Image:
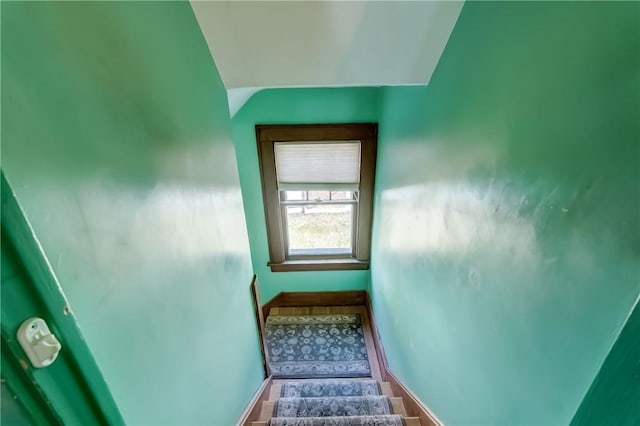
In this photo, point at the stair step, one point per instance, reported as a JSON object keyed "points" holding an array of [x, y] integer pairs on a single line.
{"points": [[334, 387], [311, 406], [383, 420], [267, 410], [275, 391], [412, 421], [408, 421], [397, 405], [385, 387]]}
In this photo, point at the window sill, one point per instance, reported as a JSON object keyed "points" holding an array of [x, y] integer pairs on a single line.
{"points": [[319, 265]]}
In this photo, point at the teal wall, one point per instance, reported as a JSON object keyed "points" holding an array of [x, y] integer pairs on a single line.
{"points": [[71, 391], [614, 396], [293, 106], [506, 252], [116, 138]]}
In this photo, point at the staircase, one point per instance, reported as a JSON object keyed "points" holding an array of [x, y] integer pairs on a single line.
{"points": [[335, 402]]}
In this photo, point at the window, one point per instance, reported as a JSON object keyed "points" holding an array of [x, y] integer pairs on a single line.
{"points": [[317, 184]]}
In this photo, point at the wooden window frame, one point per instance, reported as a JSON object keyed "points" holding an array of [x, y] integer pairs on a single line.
{"points": [[267, 136]]}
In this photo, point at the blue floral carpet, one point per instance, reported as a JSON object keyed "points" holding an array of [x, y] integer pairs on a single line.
{"points": [[310, 346], [309, 388], [333, 406], [390, 420]]}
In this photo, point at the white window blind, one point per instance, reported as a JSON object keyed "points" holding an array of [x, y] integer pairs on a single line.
{"points": [[318, 165]]}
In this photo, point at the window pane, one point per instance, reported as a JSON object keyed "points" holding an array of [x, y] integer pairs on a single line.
{"points": [[295, 195], [316, 229], [319, 195], [342, 195]]}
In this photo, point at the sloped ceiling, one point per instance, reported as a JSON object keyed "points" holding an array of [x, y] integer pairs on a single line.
{"points": [[325, 43]]}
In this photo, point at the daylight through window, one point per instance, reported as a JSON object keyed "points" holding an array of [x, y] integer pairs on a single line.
{"points": [[318, 189]]}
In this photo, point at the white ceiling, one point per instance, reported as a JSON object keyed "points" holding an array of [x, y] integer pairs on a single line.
{"points": [[259, 44]]}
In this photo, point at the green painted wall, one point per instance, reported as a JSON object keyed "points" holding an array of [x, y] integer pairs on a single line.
{"points": [[293, 106], [71, 391], [614, 396], [506, 253], [117, 140]]}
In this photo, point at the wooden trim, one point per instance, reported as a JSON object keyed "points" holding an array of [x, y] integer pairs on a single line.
{"points": [[319, 265], [270, 304], [257, 307], [365, 206], [376, 368], [413, 405], [316, 298], [252, 412], [270, 198], [316, 132], [266, 137], [382, 359]]}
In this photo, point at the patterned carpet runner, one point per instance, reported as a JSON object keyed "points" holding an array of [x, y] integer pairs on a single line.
{"points": [[333, 406], [316, 346], [310, 388], [391, 420], [333, 403]]}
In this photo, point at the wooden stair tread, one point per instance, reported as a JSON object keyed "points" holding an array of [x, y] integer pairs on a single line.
{"points": [[267, 410], [385, 388], [274, 392], [398, 406], [412, 421]]}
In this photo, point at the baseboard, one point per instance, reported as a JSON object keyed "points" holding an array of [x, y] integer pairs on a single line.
{"points": [[413, 405], [316, 298], [382, 360], [252, 412], [257, 307]]}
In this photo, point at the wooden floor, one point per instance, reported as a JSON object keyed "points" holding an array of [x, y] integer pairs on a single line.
{"points": [[329, 310]]}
